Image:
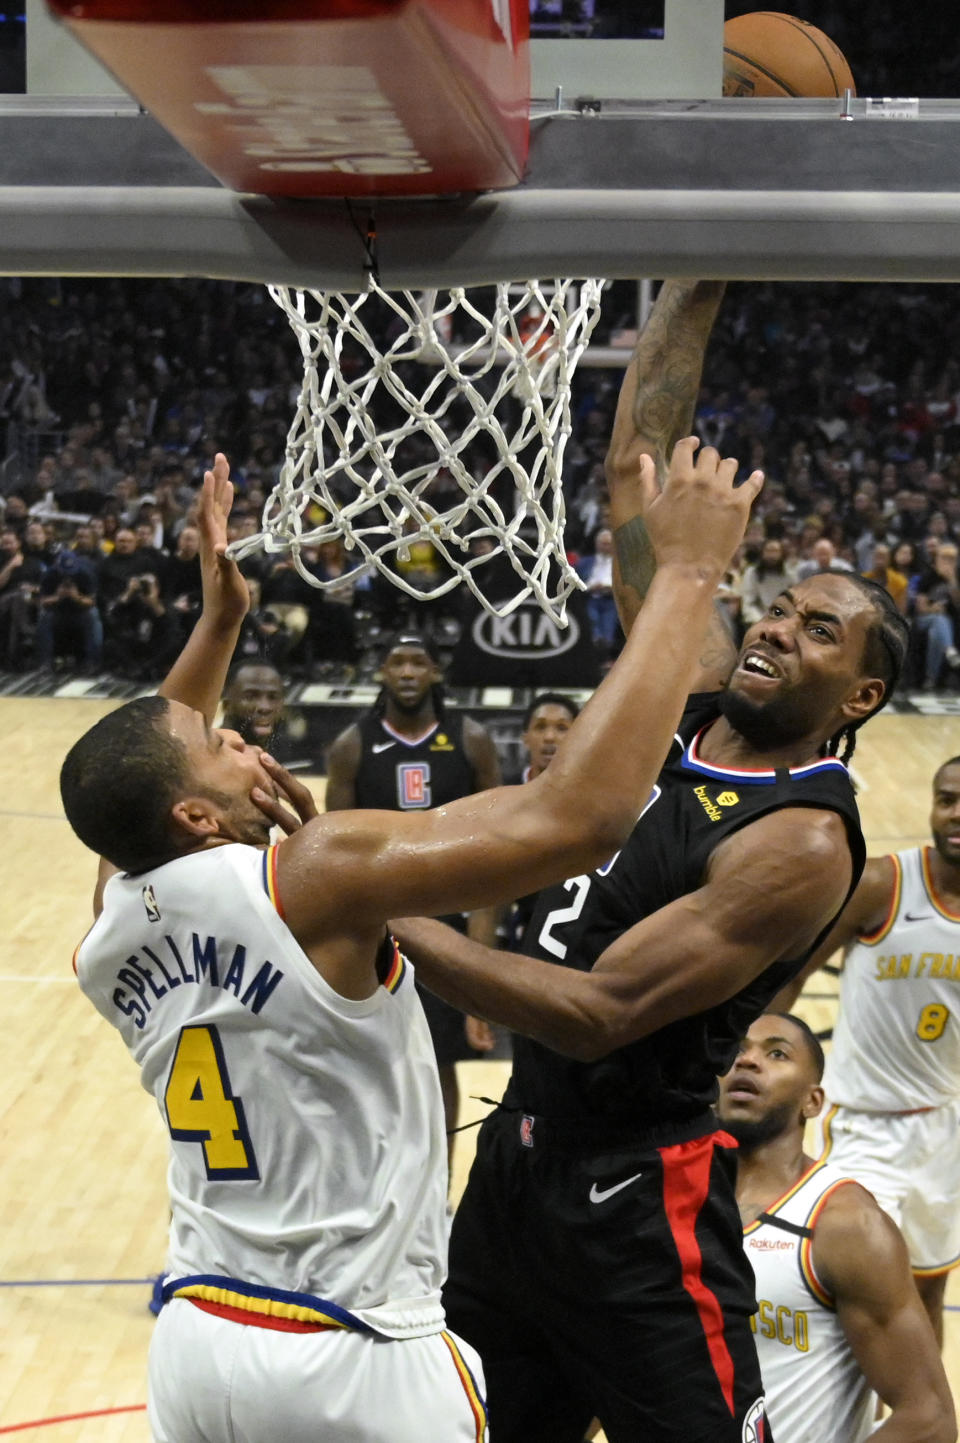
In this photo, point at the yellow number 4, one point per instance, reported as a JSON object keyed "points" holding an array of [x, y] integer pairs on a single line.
{"points": [[201, 1107], [932, 1020]]}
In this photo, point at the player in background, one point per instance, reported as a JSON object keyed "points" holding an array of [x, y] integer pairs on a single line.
{"points": [[276, 1026], [546, 722], [893, 1074], [838, 1313], [253, 702], [599, 1224], [408, 753]]}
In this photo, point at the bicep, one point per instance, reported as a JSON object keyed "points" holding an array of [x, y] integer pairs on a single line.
{"points": [[864, 1262], [770, 890]]}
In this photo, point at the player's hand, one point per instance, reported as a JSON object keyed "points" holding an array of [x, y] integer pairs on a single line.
{"points": [[699, 517], [224, 588], [479, 1034], [294, 792]]}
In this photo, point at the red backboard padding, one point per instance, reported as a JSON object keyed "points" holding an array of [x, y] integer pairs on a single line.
{"points": [[346, 97]]}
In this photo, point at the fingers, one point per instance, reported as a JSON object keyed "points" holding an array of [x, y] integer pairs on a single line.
{"points": [[299, 796], [275, 811]]}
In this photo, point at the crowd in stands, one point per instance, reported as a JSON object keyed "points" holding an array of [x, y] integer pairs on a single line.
{"points": [[115, 394]]}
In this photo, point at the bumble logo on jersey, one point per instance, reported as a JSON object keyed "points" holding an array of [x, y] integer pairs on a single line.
{"points": [[727, 799], [710, 807], [442, 743]]}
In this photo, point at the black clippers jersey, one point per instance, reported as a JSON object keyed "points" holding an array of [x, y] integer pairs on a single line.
{"points": [[670, 1075], [396, 775]]}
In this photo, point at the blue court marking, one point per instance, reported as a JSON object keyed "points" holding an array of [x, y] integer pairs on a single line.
{"points": [[75, 1282]]}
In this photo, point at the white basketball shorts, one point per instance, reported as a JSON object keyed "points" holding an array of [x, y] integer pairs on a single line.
{"points": [[216, 1381], [911, 1164]]}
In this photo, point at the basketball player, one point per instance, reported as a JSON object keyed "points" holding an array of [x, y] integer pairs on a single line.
{"points": [[546, 722], [280, 1033], [838, 1313], [893, 1074], [253, 702], [409, 753], [599, 1226]]}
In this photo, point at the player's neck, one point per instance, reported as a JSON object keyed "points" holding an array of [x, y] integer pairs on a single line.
{"points": [[766, 1173], [724, 746], [410, 724], [946, 879]]}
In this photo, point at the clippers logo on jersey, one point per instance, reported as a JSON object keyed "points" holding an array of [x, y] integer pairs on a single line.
{"points": [[442, 743], [526, 1130], [413, 785], [150, 904], [755, 1424]]}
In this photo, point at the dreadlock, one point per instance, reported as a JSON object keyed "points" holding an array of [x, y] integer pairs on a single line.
{"points": [[884, 653]]}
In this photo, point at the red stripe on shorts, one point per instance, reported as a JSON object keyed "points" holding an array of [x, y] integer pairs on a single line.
{"points": [[260, 1320], [686, 1183]]}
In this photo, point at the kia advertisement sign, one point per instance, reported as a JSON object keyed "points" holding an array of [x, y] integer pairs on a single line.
{"points": [[526, 648]]}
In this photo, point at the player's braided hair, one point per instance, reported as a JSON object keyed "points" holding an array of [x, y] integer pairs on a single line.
{"points": [[883, 655]]}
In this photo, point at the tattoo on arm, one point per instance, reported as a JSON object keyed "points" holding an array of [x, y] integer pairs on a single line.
{"points": [[635, 555], [670, 355]]}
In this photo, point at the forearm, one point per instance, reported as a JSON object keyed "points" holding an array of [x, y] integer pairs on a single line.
{"points": [[198, 675], [553, 1005], [923, 1420], [656, 408]]}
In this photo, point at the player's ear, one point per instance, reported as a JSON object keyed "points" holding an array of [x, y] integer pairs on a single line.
{"points": [[814, 1103], [194, 817], [865, 699]]}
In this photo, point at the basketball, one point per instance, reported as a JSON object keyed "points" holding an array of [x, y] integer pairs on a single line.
{"points": [[766, 53]]}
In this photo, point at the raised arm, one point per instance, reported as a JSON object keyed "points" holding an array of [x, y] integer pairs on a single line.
{"points": [[656, 406], [861, 1257], [771, 888], [198, 675], [863, 914], [491, 847]]}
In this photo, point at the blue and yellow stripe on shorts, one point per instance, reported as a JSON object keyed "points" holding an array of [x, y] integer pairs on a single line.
{"points": [[263, 1303], [477, 1403]]}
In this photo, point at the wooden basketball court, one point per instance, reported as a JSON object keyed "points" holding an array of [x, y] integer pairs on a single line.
{"points": [[83, 1199]]}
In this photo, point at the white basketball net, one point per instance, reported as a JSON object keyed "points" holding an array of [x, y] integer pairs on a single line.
{"points": [[447, 426]]}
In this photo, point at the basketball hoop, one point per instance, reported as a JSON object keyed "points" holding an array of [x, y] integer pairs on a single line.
{"points": [[439, 417]]}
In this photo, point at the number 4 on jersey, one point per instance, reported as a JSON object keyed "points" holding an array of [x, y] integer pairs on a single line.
{"points": [[201, 1108]]}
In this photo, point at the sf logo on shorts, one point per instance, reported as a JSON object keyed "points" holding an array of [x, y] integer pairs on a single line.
{"points": [[413, 785]]}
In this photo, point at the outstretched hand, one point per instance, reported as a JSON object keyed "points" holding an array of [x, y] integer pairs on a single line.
{"points": [[699, 517], [224, 587], [294, 792]]}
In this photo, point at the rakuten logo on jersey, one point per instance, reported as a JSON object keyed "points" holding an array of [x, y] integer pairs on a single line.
{"points": [[525, 635]]}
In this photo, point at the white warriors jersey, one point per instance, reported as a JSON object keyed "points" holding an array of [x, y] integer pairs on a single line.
{"points": [[308, 1168], [896, 1045], [814, 1389]]}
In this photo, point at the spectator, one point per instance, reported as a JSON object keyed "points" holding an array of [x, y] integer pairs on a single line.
{"points": [[596, 570], [181, 586], [823, 557], [20, 577], [765, 580], [68, 619], [885, 574], [935, 616], [123, 563], [142, 635]]}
